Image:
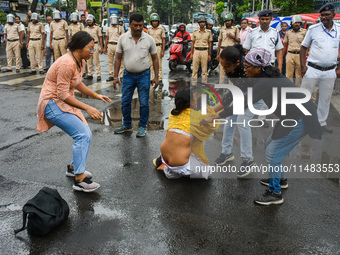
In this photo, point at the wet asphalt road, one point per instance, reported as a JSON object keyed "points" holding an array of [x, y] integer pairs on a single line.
{"points": [[137, 210]]}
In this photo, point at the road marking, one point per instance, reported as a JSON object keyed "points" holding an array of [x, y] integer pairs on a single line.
{"points": [[22, 80]]}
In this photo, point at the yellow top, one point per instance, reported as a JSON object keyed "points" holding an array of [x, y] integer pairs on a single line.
{"points": [[181, 121]]}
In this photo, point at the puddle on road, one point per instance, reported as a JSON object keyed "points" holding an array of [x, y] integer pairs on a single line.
{"points": [[107, 212], [159, 110]]}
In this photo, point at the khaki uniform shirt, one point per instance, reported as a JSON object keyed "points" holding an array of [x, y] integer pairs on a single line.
{"points": [[158, 34], [94, 31], [58, 28], [226, 41], [12, 31], [202, 39], [294, 39], [74, 28], [36, 30], [114, 32]]}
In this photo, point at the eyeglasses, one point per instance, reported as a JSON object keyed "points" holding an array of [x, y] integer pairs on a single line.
{"points": [[246, 67], [92, 50]]}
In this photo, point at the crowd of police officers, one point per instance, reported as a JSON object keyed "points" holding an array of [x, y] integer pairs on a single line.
{"points": [[322, 39]]}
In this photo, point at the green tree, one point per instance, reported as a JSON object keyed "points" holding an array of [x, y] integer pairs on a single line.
{"points": [[179, 11], [49, 12], [3, 16], [290, 7]]}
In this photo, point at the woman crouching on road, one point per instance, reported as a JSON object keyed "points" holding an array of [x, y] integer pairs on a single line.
{"points": [[182, 150], [58, 106], [290, 128]]}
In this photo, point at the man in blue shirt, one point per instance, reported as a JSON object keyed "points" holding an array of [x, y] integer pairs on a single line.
{"points": [[1, 31]]}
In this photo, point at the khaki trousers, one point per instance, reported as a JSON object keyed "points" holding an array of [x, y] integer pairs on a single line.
{"points": [[34, 48], [222, 73], [160, 73], [111, 51], [59, 48], [94, 57], [13, 47], [293, 66], [200, 56]]}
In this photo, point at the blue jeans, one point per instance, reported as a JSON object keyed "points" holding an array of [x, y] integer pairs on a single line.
{"points": [[244, 130], [75, 128], [277, 150], [49, 54], [130, 82]]}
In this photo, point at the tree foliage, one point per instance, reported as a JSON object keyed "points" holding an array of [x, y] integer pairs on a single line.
{"points": [[290, 7], [181, 10]]}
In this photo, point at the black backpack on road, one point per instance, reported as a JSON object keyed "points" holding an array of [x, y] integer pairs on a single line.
{"points": [[46, 211]]}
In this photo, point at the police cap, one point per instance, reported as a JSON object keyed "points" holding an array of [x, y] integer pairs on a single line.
{"points": [[265, 13], [327, 7]]}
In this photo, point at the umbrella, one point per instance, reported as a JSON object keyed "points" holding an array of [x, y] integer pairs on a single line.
{"points": [[276, 23]]}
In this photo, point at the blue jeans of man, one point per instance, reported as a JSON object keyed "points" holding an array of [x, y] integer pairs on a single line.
{"points": [[245, 133], [277, 150], [75, 128], [130, 83], [48, 55]]}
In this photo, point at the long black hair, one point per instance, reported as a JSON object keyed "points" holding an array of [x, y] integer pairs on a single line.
{"points": [[79, 40], [271, 71], [233, 53], [182, 100]]}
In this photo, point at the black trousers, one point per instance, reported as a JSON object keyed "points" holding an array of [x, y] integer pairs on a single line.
{"points": [[25, 61]]}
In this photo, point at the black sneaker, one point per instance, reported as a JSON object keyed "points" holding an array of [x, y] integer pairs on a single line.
{"points": [[99, 78], [41, 72], [86, 185], [246, 168], [157, 162], [70, 172], [88, 77], [32, 72], [269, 198], [122, 129], [17, 70], [223, 158], [7, 70], [109, 79], [283, 183]]}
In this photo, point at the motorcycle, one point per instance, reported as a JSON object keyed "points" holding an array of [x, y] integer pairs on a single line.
{"points": [[213, 64], [176, 56]]}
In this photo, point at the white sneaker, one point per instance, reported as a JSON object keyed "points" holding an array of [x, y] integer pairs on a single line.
{"points": [[86, 185]]}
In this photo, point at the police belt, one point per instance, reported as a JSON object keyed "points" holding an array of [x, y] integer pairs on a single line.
{"points": [[57, 39], [35, 39], [321, 68], [158, 44], [294, 52], [136, 74], [14, 40], [114, 43], [196, 48], [95, 42]]}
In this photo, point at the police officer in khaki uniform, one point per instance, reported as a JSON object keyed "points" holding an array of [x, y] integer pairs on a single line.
{"points": [[229, 35], [201, 50], [96, 33], [75, 26], [158, 34], [59, 32], [35, 42], [112, 35], [292, 41], [13, 33]]}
